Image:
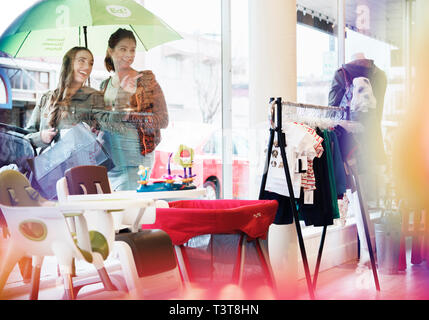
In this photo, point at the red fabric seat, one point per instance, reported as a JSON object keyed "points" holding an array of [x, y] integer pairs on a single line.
{"points": [[189, 218], [186, 219]]}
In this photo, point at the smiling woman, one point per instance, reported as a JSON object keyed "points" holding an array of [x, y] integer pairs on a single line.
{"points": [[82, 67], [140, 94], [65, 106]]}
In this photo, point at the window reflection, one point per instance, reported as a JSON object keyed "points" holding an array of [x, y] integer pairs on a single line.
{"points": [[316, 64], [189, 71]]}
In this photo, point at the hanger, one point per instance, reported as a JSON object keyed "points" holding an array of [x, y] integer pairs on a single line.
{"points": [[323, 117]]}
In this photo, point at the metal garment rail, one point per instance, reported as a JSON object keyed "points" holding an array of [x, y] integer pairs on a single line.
{"points": [[276, 127], [312, 106]]}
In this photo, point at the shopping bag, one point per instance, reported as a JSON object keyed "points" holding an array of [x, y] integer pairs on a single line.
{"points": [[77, 147]]}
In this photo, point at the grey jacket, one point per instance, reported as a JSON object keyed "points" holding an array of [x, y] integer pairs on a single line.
{"points": [[86, 105]]}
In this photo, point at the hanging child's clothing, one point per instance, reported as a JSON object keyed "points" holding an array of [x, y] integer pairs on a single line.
{"points": [[300, 148], [284, 214], [332, 182], [308, 181], [348, 148], [320, 212], [338, 163], [303, 145], [318, 167]]}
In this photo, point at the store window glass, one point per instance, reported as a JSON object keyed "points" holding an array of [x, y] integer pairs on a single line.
{"points": [[316, 64], [376, 29], [189, 72], [380, 52], [240, 98], [316, 49]]}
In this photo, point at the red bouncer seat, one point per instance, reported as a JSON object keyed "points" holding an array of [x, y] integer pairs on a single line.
{"points": [[186, 219]]}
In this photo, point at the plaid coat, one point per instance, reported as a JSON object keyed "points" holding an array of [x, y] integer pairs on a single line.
{"points": [[148, 111]]}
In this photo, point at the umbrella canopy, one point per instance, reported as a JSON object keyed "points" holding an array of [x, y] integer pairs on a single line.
{"points": [[51, 27]]}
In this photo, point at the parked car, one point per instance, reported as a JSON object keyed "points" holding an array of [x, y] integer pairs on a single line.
{"points": [[207, 144]]}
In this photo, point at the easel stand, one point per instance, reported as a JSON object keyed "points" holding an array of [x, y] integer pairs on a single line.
{"points": [[282, 144], [276, 127]]}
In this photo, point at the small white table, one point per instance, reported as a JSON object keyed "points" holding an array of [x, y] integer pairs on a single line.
{"points": [[122, 200], [138, 196], [71, 208], [104, 203]]}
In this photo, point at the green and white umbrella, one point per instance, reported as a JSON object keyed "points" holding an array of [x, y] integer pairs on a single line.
{"points": [[51, 27]]}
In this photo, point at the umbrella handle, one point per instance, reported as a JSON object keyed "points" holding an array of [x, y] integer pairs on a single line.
{"points": [[85, 35]]}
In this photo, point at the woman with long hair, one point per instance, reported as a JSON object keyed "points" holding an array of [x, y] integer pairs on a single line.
{"points": [[69, 103], [139, 95]]}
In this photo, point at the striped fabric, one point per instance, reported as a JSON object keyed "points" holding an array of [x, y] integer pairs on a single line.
{"points": [[308, 180]]}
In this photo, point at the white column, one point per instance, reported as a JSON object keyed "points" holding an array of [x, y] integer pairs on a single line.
{"points": [[272, 73]]}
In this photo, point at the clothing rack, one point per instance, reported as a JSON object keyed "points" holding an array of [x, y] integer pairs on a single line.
{"points": [[276, 127], [313, 106], [345, 110]]}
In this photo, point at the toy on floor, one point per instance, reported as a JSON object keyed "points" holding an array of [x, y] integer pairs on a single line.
{"points": [[184, 157]]}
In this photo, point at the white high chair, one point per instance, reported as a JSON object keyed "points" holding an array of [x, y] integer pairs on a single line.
{"points": [[93, 180], [38, 228]]}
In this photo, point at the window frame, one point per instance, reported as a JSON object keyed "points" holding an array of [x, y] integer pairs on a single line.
{"points": [[8, 89]]}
